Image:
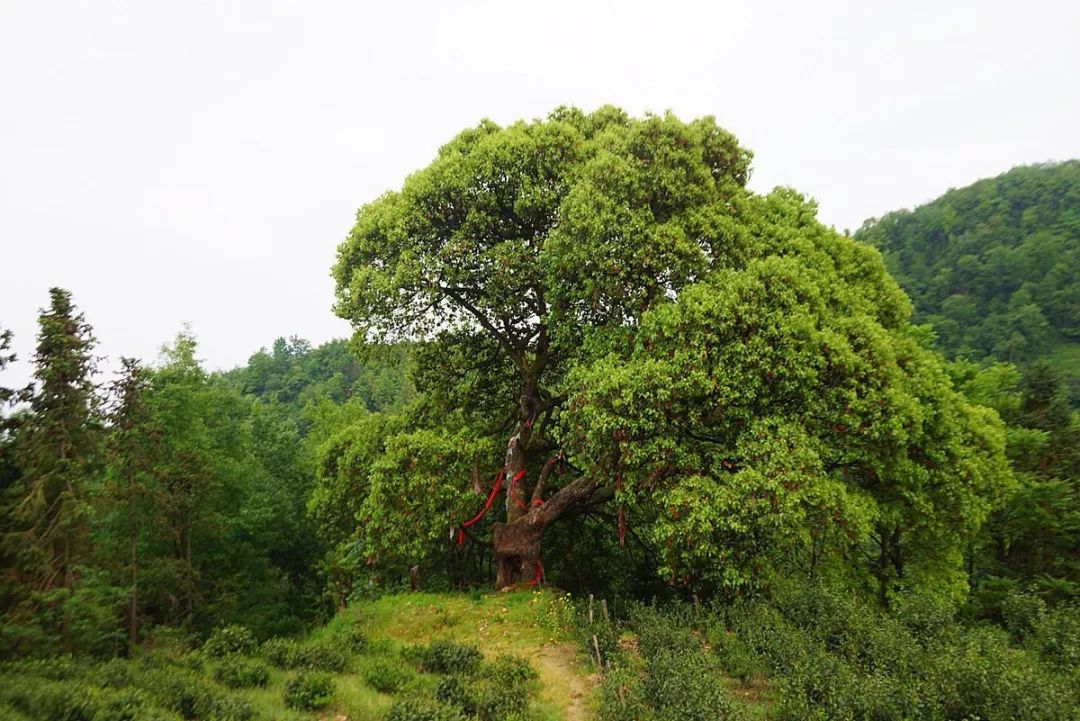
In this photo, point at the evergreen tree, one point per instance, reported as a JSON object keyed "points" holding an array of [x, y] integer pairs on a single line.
{"points": [[133, 456], [58, 450]]}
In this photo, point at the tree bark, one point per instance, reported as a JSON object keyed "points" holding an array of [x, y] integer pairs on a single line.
{"points": [[517, 542], [133, 609]]}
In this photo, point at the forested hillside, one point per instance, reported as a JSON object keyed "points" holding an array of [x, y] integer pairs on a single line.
{"points": [[606, 408], [995, 267]]}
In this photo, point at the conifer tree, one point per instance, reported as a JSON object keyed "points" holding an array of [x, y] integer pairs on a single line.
{"points": [[131, 453], [57, 451]]}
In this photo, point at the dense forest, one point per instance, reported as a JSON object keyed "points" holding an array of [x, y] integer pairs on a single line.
{"points": [[766, 479], [995, 267]]}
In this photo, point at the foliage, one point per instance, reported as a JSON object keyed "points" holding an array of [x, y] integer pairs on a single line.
{"points": [[46, 518], [387, 676], [993, 266], [415, 708], [319, 656], [309, 691], [229, 640], [237, 672], [279, 651], [741, 381], [450, 657], [293, 374]]}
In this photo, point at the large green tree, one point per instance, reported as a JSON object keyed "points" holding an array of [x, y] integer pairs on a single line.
{"points": [[605, 315]]}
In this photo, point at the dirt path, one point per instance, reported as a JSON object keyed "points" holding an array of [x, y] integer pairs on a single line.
{"points": [[566, 684]]}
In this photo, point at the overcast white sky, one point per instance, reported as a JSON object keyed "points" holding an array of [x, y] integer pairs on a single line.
{"points": [[200, 161]]}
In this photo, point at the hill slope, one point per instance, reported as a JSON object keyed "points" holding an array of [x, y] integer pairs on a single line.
{"points": [[995, 266], [399, 658]]}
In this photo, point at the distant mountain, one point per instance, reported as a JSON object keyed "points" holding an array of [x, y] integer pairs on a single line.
{"points": [[995, 266]]}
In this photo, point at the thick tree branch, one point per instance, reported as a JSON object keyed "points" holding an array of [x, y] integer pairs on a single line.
{"points": [[545, 472], [515, 353]]}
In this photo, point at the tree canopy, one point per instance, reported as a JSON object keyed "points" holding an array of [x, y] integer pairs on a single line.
{"points": [[995, 267], [602, 295]]}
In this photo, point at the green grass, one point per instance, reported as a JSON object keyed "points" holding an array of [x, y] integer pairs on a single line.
{"points": [[393, 626], [495, 622]]}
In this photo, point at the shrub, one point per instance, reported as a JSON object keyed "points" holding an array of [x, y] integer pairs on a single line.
{"points": [[320, 656], [130, 705], [229, 639], [510, 671], [41, 698], [658, 632], [603, 628], [978, 675], [190, 696], [116, 673], [448, 657], [1057, 637], [414, 708], [239, 672], [684, 686], [622, 697], [386, 676], [494, 703], [735, 654], [309, 691], [1021, 613], [452, 691], [355, 640], [280, 652]]}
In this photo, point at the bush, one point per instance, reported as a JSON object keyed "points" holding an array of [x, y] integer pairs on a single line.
{"points": [[385, 676], [452, 691], [131, 705], [309, 691], [735, 654], [414, 708], [603, 628], [190, 696], [41, 698], [355, 640], [510, 671], [684, 686], [622, 697], [448, 657], [658, 632], [280, 652], [1057, 637], [239, 672], [228, 640], [977, 675], [1021, 613], [497, 703], [320, 656]]}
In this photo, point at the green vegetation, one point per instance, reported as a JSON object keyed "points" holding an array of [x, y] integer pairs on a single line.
{"points": [[815, 653], [587, 357], [995, 267], [397, 675]]}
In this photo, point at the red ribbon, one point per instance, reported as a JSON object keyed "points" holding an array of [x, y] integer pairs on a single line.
{"points": [[487, 504], [538, 577], [510, 491]]}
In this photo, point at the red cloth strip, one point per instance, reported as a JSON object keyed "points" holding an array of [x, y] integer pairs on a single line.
{"points": [[510, 491], [538, 577], [487, 504]]}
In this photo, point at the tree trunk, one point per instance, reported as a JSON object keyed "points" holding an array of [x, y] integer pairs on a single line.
{"points": [[517, 552], [133, 609], [517, 543]]}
